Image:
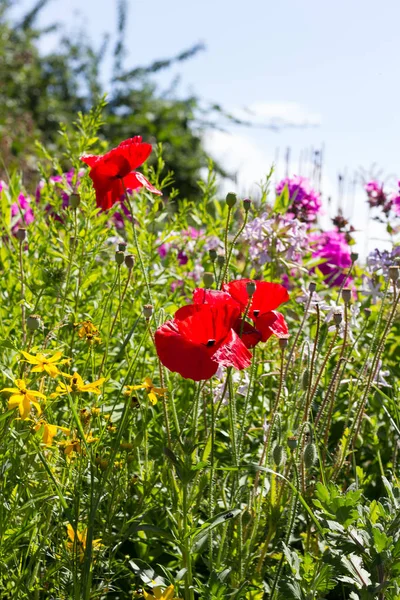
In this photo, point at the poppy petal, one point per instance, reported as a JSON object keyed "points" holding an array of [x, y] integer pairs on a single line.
{"points": [[212, 297], [90, 159], [233, 352], [268, 296], [272, 323], [182, 356], [201, 323], [136, 180], [249, 335]]}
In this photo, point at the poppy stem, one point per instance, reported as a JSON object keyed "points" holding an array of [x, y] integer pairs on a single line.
{"points": [[235, 239], [22, 276]]}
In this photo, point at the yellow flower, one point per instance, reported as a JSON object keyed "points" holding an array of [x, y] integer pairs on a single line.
{"points": [[74, 445], [77, 541], [23, 398], [44, 363], [151, 390], [89, 331], [167, 594], [49, 431], [78, 386]]}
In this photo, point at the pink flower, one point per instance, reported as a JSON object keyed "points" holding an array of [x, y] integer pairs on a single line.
{"points": [[333, 249], [305, 202]]}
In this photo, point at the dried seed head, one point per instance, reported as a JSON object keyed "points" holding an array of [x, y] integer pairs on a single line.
{"points": [[346, 295], [231, 199], [130, 261], [212, 254], [208, 280], [337, 317], [310, 455], [33, 322], [283, 342], [394, 272], [312, 286], [246, 204], [74, 200], [147, 311], [292, 442], [250, 288], [119, 257], [21, 234], [354, 257], [122, 246]]}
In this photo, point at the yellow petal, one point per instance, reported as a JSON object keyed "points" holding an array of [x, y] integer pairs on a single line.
{"points": [[168, 593], [25, 407], [21, 384], [51, 370], [137, 387], [55, 358], [15, 400], [12, 390], [38, 369], [71, 532], [152, 398], [30, 358], [147, 596], [37, 406], [36, 394]]}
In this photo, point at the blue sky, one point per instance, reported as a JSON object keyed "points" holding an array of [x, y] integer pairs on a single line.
{"points": [[330, 64]]}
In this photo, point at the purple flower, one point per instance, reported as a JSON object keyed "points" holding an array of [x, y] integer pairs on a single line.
{"points": [[332, 248], [305, 202]]}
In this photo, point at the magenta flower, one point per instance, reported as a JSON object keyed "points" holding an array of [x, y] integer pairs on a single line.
{"points": [[305, 202], [333, 249]]}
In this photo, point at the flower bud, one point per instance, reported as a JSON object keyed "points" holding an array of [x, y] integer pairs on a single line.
{"points": [[231, 199], [346, 295], [148, 311], [337, 317], [310, 455], [354, 257], [33, 322], [305, 380], [312, 286], [21, 234], [394, 272], [250, 288], [292, 442], [122, 246], [246, 204], [221, 260], [119, 257], [208, 279], [130, 261], [279, 455], [74, 200], [212, 254], [283, 342]]}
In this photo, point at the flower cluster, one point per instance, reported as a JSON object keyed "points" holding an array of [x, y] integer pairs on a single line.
{"points": [[213, 331], [21, 210], [332, 248], [377, 197], [381, 260], [305, 202], [271, 238]]}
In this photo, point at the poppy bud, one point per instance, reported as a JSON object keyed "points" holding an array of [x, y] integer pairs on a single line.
{"points": [[354, 256], [292, 442], [283, 342], [122, 246], [21, 234], [279, 455], [147, 311], [119, 257], [305, 380], [208, 279], [346, 295], [312, 287], [310, 455], [212, 254], [246, 204], [221, 260], [394, 272], [74, 200], [250, 288], [33, 322], [130, 261], [337, 317], [231, 199]]}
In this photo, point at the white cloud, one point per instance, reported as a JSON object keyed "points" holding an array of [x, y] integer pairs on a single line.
{"points": [[278, 114]]}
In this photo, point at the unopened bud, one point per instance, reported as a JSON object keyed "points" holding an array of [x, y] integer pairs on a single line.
{"points": [[354, 257], [279, 455], [212, 254], [74, 200], [292, 442], [208, 279], [250, 288], [305, 380], [119, 257], [312, 286], [231, 199], [20, 234], [221, 260], [283, 342], [394, 272], [337, 317], [130, 261], [310, 455], [122, 246], [246, 204], [33, 322], [346, 295], [148, 311]]}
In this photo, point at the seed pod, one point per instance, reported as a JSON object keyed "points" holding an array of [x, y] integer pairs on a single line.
{"points": [[130, 261], [346, 295], [292, 442], [20, 234], [337, 317], [212, 254], [122, 246], [208, 279], [246, 204], [74, 200], [283, 342], [312, 287], [33, 322], [279, 455], [221, 260], [305, 380], [147, 310], [394, 272], [250, 288], [310, 455], [231, 199], [119, 257], [354, 256]]}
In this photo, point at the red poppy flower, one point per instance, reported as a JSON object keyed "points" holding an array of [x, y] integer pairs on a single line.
{"points": [[199, 338], [267, 297], [247, 333], [114, 171]]}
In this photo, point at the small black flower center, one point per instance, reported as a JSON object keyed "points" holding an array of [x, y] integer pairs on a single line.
{"points": [[256, 313], [210, 343]]}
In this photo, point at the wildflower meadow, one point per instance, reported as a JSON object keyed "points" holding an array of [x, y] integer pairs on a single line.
{"points": [[199, 398]]}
